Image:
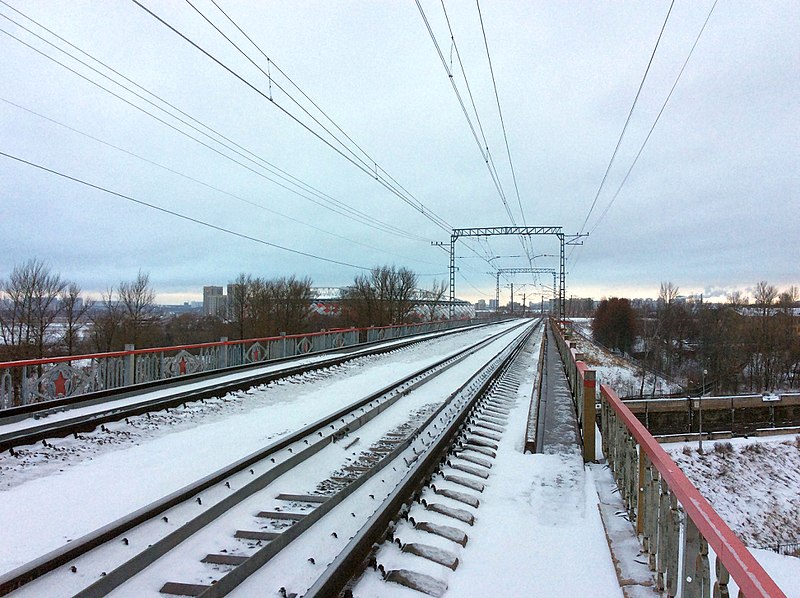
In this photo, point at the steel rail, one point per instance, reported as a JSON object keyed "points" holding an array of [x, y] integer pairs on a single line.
{"points": [[86, 423], [351, 561], [56, 558]]}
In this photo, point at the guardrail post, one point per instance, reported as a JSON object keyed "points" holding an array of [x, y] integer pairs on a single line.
{"points": [[694, 581], [222, 359], [23, 386], [589, 415], [283, 344], [128, 371]]}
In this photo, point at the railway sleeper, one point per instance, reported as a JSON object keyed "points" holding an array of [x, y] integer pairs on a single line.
{"points": [[471, 459], [431, 553], [416, 581], [467, 483], [445, 531], [462, 497], [478, 449], [452, 512], [478, 423], [484, 434], [469, 469]]}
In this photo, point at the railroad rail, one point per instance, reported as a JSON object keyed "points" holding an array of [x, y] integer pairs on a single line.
{"points": [[203, 504], [50, 419]]}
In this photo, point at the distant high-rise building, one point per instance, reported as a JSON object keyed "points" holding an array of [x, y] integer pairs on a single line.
{"points": [[213, 301], [493, 304]]}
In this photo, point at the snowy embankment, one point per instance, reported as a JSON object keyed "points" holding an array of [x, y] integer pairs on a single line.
{"points": [[755, 487], [622, 375]]}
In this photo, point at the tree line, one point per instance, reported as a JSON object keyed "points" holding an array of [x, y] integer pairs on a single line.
{"points": [[43, 314], [741, 345]]}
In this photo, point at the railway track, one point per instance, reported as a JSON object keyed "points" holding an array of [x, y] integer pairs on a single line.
{"points": [[33, 423], [117, 557]]}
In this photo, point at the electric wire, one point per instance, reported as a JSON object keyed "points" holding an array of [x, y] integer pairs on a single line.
{"points": [[339, 207], [627, 120], [207, 185], [525, 245], [653, 126], [655, 122], [419, 205], [180, 215], [484, 155], [265, 96]]}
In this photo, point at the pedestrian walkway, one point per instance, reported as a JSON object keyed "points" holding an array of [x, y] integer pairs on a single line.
{"points": [[557, 422]]}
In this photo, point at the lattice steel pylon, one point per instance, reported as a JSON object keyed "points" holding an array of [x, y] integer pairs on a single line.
{"points": [[492, 231], [523, 271]]}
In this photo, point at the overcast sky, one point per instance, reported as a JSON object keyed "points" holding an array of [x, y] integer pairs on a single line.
{"points": [[712, 203]]}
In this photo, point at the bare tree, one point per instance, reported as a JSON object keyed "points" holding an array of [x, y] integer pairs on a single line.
{"points": [[139, 310], [29, 309], [106, 321], [384, 296], [436, 297], [238, 303], [73, 308]]}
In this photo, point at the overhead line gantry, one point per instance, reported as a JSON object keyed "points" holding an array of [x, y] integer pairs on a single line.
{"points": [[492, 231]]}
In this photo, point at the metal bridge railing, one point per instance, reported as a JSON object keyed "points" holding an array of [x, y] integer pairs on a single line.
{"points": [[38, 380], [677, 527]]}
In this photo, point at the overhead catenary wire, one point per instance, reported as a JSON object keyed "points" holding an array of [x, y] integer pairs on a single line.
{"points": [[484, 154], [208, 185], [366, 169], [178, 214], [653, 126], [336, 206], [528, 250], [366, 160], [655, 122], [628, 119]]}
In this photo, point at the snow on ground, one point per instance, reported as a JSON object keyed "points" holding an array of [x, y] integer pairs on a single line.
{"points": [[50, 495], [754, 484], [621, 374], [537, 531]]}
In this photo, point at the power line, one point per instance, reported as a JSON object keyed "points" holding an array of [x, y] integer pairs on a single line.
{"points": [[204, 184], [419, 205], [339, 207], [627, 120], [426, 212], [484, 155], [528, 250], [500, 112], [179, 215], [655, 122]]}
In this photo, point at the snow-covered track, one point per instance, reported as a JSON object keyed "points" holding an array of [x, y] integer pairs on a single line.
{"points": [[28, 424], [441, 489], [177, 515]]}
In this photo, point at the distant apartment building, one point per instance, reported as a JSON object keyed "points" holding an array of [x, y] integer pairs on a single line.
{"points": [[214, 303]]}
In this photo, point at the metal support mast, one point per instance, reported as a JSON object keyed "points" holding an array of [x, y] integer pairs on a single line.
{"points": [[524, 271], [509, 230]]}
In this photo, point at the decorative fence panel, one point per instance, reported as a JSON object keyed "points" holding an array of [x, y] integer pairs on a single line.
{"points": [[37, 380]]}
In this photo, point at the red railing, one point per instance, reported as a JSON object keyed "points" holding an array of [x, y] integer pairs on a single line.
{"points": [[34, 380], [676, 525]]}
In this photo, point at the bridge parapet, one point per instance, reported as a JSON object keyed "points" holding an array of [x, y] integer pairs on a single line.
{"points": [[677, 527], [62, 378]]}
